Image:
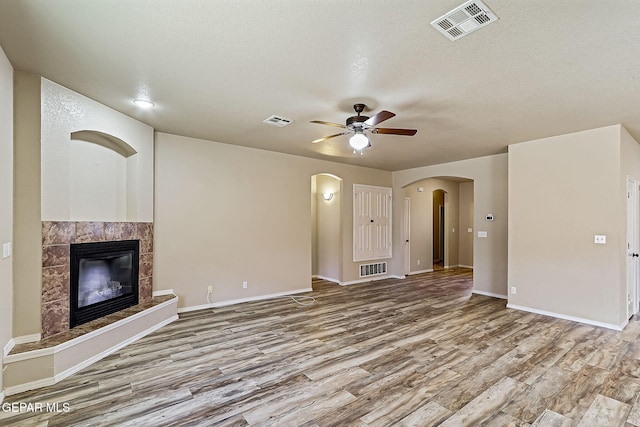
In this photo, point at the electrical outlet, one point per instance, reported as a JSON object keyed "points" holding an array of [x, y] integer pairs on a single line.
{"points": [[210, 289], [245, 285], [514, 290], [418, 262]]}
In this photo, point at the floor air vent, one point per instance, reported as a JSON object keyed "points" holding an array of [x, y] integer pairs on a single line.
{"points": [[464, 20], [373, 269]]}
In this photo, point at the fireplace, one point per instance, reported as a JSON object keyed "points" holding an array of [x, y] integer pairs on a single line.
{"points": [[103, 279]]}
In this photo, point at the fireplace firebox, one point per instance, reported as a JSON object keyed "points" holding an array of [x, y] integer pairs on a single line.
{"points": [[104, 279]]}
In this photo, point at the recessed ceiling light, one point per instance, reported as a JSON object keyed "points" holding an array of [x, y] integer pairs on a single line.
{"points": [[144, 103]]}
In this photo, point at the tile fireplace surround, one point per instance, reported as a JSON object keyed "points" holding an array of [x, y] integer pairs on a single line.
{"points": [[56, 240]]}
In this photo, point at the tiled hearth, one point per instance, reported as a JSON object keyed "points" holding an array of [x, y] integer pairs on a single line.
{"points": [[56, 240]]}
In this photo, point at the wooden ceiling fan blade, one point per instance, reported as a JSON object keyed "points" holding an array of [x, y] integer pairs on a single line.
{"points": [[391, 131], [379, 118], [320, 122], [315, 141]]}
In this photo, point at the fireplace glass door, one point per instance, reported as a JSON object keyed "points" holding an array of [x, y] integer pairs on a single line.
{"points": [[104, 279]]}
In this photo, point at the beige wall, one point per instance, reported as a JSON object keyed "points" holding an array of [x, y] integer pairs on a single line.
{"points": [[466, 223], [562, 191], [423, 211], [226, 214], [6, 200], [27, 254], [328, 228], [82, 181], [490, 196]]}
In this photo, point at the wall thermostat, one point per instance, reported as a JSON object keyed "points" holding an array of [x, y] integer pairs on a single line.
{"points": [[489, 217]]}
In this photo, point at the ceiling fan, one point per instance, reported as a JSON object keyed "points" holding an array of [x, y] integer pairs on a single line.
{"points": [[359, 126]]}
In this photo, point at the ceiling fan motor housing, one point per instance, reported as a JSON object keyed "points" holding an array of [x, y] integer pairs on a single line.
{"points": [[358, 125], [356, 121]]}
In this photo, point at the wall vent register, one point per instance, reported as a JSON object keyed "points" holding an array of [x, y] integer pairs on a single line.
{"points": [[373, 269]]}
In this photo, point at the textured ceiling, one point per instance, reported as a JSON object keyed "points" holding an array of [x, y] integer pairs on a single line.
{"points": [[216, 69]]}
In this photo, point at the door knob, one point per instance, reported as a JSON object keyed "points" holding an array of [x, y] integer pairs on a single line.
{"points": [[636, 255]]}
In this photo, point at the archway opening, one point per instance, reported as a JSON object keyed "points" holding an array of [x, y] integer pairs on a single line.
{"points": [[438, 224], [326, 224]]}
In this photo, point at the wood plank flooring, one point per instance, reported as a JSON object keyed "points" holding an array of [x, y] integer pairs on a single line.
{"points": [[415, 352]]}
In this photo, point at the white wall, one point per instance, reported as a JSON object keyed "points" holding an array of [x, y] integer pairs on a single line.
{"points": [[490, 196], [6, 201], [226, 214], [98, 183], [564, 190], [76, 184]]}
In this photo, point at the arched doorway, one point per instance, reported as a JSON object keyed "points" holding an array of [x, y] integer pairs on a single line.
{"points": [[326, 223], [438, 224]]}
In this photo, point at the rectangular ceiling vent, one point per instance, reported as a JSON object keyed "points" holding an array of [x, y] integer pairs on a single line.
{"points": [[277, 121], [464, 19]]}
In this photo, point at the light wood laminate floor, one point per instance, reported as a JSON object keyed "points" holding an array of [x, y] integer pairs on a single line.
{"points": [[415, 352]]}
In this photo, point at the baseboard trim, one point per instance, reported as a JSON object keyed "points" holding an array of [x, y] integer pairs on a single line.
{"points": [[239, 301], [8, 347], [428, 270], [489, 294], [12, 358], [107, 352], [366, 279], [23, 339], [163, 292], [395, 276], [65, 374], [565, 317], [466, 266], [329, 279]]}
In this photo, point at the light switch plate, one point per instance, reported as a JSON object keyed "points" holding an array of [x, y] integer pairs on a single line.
{"points": [[482, 234], [6, 250], [600, 239]]}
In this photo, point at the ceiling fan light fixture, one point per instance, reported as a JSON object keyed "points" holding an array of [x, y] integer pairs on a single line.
{"points": [[359, 141]]}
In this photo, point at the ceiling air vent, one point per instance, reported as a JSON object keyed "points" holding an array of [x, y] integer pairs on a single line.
{"points": [[277, 121], [464, 19]]}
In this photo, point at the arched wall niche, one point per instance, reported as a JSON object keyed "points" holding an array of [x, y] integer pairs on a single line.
{"points": [[105, 140], [99, 169]]}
